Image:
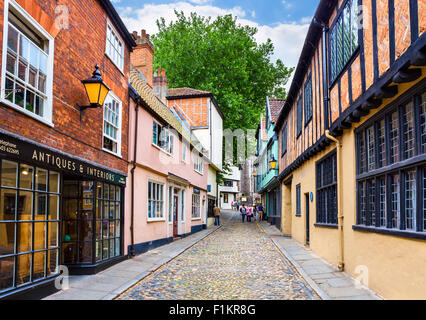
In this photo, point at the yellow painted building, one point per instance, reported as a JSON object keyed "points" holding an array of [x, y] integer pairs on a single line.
{"points": [[352, 139]]}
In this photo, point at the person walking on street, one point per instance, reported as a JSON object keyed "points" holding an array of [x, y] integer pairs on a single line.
{"points": [[232, 205], [249, 213], [238, 206], [216, 212], [243, 212], [260, 210]]}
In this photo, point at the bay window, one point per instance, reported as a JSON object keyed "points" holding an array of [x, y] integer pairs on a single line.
{"points": [[27, 69]]}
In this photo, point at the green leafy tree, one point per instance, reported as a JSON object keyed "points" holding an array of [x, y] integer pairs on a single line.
{"points": [[223, 57]]}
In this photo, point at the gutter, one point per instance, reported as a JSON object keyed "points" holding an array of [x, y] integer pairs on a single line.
{"points": [[132, 172], [341, 265]]}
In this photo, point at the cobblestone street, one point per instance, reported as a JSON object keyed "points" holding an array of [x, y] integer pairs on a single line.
{"points": [[237, 262]]}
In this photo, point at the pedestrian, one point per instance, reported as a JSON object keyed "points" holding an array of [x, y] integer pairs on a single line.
{"points": [[254, 212], [243, 212], [249, 213], [216, 212], [232, 205], [238, 206], [260, 210]]}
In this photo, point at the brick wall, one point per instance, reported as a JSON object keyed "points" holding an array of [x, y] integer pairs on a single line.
{"points": [[77, 49], [143, 55]]}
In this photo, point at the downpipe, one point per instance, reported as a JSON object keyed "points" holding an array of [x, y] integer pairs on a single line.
{"points": [[132, 171], [341, 265]]}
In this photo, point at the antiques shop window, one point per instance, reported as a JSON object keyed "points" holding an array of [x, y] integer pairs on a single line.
{"points": [[29, 224]]}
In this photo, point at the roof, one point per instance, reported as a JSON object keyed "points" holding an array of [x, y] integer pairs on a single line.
{"points": [[184, 92], [118, 23], [187, 93], [276, 105], [144, 92]]}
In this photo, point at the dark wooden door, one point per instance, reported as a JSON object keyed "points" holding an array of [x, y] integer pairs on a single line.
{"points": [[307, 219], [175, 215]]}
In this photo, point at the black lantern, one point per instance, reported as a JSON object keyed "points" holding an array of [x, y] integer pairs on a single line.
{"points": [[96, 90]]}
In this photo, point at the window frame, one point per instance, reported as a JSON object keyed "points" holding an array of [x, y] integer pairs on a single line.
{"points": [[198, 161], [323, 218], [340, 19], [308, 103], [192, 207], [120, 116], [299, 114], [163, 209], [299, 200], [114, 30], [37, 28], [169, 149], [284, 141], [400, 168]]}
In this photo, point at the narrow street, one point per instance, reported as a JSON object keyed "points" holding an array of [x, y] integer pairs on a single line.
{"points": [[237, 262]]}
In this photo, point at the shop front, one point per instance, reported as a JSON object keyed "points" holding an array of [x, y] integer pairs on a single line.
{"points": [[55, 210]]}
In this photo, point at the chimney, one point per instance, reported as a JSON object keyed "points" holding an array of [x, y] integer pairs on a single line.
{"points": [[160, 85], [142, 56]]}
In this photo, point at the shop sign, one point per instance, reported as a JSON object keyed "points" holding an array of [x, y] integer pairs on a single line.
{"points": [[13, 148]]}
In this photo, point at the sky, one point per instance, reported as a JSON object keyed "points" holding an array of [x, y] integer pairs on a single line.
{"points": [[285, 22]]}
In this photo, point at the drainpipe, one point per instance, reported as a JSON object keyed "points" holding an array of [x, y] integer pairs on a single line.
{"points": [[132, 229], [341, 264], [325, 74]]}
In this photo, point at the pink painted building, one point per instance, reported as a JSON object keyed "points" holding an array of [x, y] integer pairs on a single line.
{"points": [[167, 174]]}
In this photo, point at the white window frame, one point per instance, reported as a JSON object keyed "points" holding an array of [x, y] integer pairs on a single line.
{"points": [[184, 152], [192, 207], [33, 24], [114, 31], [198, 161], [164, 217], [169, 149], [111, 95]]}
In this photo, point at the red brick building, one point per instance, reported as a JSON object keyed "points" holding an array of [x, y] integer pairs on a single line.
{"points": [[63, 170]]}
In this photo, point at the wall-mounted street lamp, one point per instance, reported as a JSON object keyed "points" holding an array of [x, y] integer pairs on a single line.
{"points": [[273, 163], [96, 90]]}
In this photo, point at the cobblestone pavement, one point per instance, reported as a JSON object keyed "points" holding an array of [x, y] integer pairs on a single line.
{"points": [[237, 262]]}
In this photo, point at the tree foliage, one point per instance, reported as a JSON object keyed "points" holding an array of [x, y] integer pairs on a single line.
{"points": [[223, 57]]}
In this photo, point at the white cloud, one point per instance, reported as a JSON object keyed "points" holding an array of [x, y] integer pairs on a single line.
{"points": [[288, 38]]}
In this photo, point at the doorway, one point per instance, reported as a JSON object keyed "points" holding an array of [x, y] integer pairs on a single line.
{"points": [[307, 219], [175, 215]]}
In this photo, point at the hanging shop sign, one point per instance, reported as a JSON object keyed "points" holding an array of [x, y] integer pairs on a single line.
{"points": [[21, 150]]}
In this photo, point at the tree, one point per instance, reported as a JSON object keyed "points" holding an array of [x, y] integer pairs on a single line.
{"points": [[222, 57]]}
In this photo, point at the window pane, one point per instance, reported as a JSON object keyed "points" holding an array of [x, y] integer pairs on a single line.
{"points": [[38, 265], [52, 238], [6, 273], [408, 121], [395, 204], [39, 235], [423, 122], [52, 262], [53, 207], [362, 153], [410, 200], [53, 182], [24, 267], [381, 144], [7, 204], [371, 149], [25, 205], [40, 209], [24, 236], [26, 176], [7, 238], [382, 201], [8, 173], [394, 137]]}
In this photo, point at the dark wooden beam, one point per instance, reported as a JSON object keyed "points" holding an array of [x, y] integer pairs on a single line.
{"points": [[407, 75], [386, 92], [419, 58], [372, 104]]}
